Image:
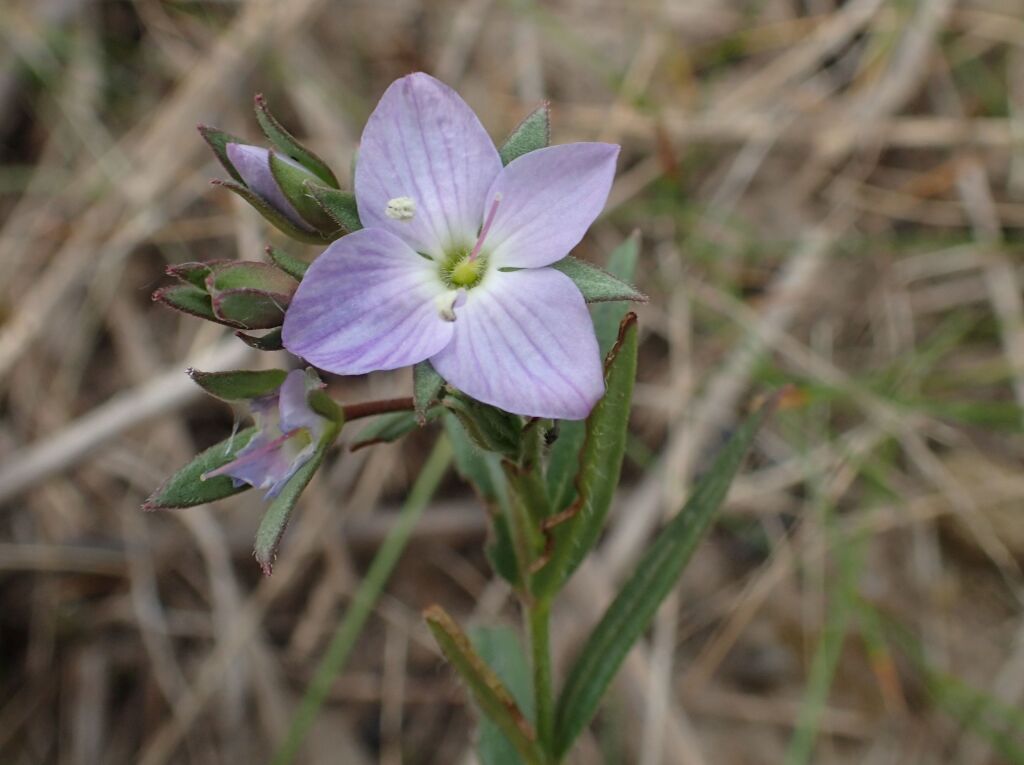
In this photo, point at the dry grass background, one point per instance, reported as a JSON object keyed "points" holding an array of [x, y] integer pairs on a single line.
{"points": [[829, 193]]}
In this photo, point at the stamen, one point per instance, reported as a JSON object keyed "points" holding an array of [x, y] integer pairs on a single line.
{"points": [[486, 227], [401, 208], [447, 302]]}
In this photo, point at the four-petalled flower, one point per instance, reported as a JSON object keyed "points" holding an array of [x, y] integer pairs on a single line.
{"points": [[453, 264], [287, 434]]}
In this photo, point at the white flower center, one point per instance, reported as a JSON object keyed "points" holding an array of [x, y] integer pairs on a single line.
{"points": [[401, 208]]}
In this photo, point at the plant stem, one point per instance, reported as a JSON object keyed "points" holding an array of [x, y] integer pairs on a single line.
{"points": [[538, 618], [366, 596], [372, 408]]}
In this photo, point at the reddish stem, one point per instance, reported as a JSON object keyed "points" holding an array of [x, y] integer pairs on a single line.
{"points": [[370, 408]]}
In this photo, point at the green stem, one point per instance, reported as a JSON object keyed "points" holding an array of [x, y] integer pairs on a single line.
{"points": [[366, 596], [539, 628]]}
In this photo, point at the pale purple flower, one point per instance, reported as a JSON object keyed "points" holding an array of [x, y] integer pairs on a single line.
{"points": [[287, 434], [453, 262], [253, 164]]}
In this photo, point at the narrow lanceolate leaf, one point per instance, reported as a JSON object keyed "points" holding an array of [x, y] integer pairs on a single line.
{"points": [[500, 649], [275, 520], [596, 285], [391, 427], [186, 488], [287, 144], [188, 299], [339, 205], [630, 614], [622, 265], [563, 461], [574, 532], [239, 385], [291, 265], [275, 218], [270, 341], [533, 133], [218, 140], [493, 699], [426, 387]]}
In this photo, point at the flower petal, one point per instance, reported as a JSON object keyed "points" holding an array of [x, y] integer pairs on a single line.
{"points": [[253, 164], [367, 303], [524, 342], [423, 143], [294, 404], [549, 198]]}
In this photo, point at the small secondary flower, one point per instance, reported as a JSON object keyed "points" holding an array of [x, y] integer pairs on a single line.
{"points": [[453, 264], [287, 434]]}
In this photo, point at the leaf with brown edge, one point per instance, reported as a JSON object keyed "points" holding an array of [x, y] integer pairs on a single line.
{"points": [[571, 534]]}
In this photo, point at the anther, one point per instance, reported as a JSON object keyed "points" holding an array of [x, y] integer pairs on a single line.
{"points": [[401, 208]]}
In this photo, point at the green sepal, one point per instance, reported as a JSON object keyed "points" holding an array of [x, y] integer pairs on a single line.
{"points": [[269, 341], [291, 265], [277, 219], [491, 429], [633, 609], [533, 133], [275, 520], [288, 145], [188, 299], [239, 385], [492, 698], [218, 140], [597, 285], [186, 488], [499, 647], [325, 406], [250, 309], [194, 273], [249, 274], [578, 528], [426, 388], [391, 426], [293, 182], [339, 205]]}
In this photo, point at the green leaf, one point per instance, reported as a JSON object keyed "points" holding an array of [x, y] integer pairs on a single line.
{"points": [[426, 387], [563, 460], [188, 299], [533, 133], [250, 309], [270, 341], [275, 520], [293, 182], [499, 648], [391, 427], [491, 696], [239, 385], [607, 316], [633, 609], [218, 140], [339, 205], [291, 265], [596, 285], [186, 488], [288, 145], [277, 219], [600, 463], [482, 470], [491, 429]]}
